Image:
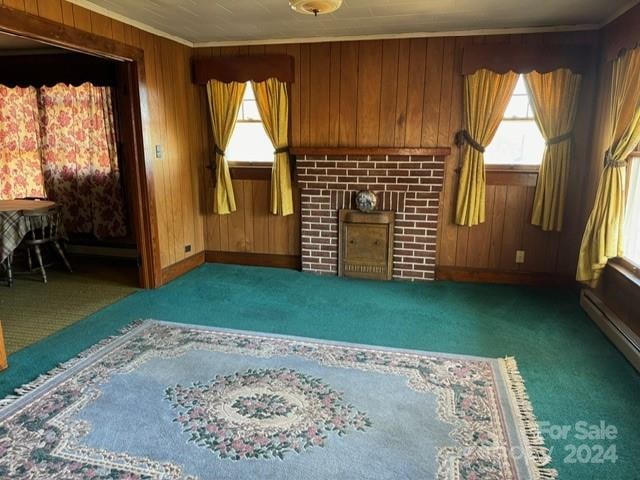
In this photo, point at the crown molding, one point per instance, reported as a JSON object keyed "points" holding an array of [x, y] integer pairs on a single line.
{"points": [[278, 41], [131, 22], [388, 36]]}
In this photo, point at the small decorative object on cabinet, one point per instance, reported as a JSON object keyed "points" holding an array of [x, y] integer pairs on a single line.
{"points": [[366, 244], [366, 201]]}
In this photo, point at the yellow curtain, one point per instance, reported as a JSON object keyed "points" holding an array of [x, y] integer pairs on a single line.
{"points": [[225, 100], [603, 237], [554, 97], [486, 95], [273, 104]]}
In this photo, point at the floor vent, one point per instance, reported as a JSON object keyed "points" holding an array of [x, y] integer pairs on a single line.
{"points": [[614, 328]]}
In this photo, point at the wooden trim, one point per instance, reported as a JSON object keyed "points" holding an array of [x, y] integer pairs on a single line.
{"points": [[34, 27], [240, 172], [183, 266], [254, 259], [526, 58], [243, 68], [627, 269], [373, 151], [477, 275], [145, 220]]}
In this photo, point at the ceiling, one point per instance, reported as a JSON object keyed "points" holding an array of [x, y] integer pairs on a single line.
{"points": [[213, 22]]}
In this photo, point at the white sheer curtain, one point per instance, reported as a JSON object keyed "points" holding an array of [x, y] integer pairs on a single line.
{"points": [[632, 222]]}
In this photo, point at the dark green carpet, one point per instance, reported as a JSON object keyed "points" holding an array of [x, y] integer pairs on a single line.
{"points": [[571, 370]]}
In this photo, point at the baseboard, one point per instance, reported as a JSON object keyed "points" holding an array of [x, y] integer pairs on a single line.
{"points": [[183, 266], [254, 259], [465, 274], [618, 332]]}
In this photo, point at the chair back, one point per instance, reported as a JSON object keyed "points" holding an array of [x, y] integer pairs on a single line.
{"points": [[44, 225]]}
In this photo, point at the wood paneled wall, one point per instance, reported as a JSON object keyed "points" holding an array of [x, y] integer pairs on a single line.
{"points": [[408, 93], [252, 228], [170, 118]]}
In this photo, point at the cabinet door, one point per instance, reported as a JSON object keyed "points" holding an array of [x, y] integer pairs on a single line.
{"points": [[365, 243]]}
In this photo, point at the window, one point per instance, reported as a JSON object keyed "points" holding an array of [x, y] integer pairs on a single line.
{"points": [[632, 220], [249, 141], [518, 140]]}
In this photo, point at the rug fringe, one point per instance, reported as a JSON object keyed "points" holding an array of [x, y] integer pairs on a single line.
{"points": [[64, 366], [540, 455]]}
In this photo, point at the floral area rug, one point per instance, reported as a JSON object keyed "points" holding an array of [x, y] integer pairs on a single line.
{"points": [[172, 401]]}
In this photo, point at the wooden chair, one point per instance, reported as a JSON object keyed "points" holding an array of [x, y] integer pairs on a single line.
{"points": [[45, 228]]}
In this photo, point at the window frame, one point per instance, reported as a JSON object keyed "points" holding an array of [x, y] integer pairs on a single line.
{"points": [[627, 263], [248, 169], [513, 168]]}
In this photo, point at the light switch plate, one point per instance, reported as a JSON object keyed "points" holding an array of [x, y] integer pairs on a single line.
{"points": [[158, 151], [519, 256]]}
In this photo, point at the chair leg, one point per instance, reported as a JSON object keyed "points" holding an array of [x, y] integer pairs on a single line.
{"points": [[29, 260], [39, 257], [9, 270], [62, 255]]}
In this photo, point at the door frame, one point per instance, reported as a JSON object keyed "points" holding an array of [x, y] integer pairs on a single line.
{"points": [[140, 165]]}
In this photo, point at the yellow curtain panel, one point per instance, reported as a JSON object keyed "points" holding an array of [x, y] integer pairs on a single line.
{"points": [[273, 104], [225, 100], [603, 236], [554, 97], [486, 95]]}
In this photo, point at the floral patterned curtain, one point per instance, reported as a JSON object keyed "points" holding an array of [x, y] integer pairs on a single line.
{"points": [[79, 158], [20, 165]]}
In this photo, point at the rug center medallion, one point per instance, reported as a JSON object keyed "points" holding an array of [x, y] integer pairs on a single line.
{"points": [[263, 413]]}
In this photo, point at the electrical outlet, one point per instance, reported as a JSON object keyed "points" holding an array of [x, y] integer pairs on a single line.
{"points": [[187, 248], [519, 256], [158, 151]]}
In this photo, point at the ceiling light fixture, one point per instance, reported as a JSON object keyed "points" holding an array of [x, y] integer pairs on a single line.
{"points": [[315, 7]]}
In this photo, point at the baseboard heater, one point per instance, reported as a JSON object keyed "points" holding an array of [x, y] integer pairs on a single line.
{"points": [[613, 327], [99, 251]]}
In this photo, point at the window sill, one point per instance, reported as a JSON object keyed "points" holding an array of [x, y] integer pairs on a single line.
{"points": [[512, 168], [626, 268]]}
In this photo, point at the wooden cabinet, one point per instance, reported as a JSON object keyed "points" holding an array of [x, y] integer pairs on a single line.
{"points": [[366, 244]]}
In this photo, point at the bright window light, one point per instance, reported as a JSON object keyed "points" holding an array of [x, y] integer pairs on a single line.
{"points": [[518, 140], [632, 222], [249, 141]]}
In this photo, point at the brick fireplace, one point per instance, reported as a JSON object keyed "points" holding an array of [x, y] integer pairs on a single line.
{"points": [[406, 181]]}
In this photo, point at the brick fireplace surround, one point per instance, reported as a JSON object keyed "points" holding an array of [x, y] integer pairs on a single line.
{"points": [[406, 181]]}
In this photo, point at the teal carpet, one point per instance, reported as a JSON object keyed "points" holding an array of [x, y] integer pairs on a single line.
{"points": [[573, 374]]}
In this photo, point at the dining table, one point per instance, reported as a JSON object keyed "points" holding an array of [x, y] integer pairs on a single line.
{"points": [[14, 227]]}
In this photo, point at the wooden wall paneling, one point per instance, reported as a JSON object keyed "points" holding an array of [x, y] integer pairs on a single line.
{"points": [[319, 98], [402, 95], [82, 18], [237, 235], [514, 220], [31, 6], [334, 95], [305, 95], [260, 198], [432, 91], [447, 232], [388, 93], [497, 226], [479, 240], [17, 4], [444, 134], [348, 116], [50, 9], [415, 91], [369, 93]]}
